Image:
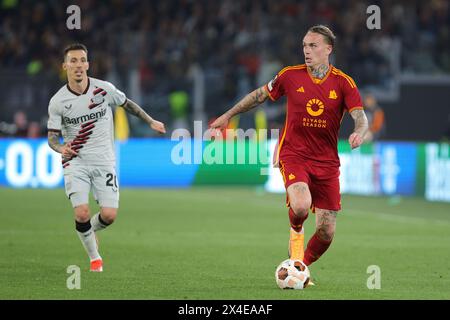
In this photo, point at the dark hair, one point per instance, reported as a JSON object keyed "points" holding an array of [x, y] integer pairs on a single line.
{"points": [[74, 46], [329, 36]]}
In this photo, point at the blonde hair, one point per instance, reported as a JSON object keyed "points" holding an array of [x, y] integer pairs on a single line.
{"points": [[329, 36]]}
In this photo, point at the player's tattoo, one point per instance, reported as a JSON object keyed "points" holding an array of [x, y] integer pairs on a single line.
{"points": [[361, 122], [260, 95], [250, 101], [53, 141], [300, 187], [320, 71], [325, 224], [135, 109]]}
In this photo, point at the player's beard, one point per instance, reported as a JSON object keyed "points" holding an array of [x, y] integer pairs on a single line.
{"points": [[79, 80]]}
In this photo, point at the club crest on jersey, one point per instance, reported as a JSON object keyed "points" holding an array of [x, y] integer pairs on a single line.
{"points": [[98, 98], [333, 95]]}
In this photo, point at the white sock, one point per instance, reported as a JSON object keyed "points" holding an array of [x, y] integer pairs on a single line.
{"points": [[96, 224], [89, 243]]}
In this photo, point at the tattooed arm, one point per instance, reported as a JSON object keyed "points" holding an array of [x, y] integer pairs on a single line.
{"points": [[250, 101], [64, 149], [361, 127], [133, 108]]}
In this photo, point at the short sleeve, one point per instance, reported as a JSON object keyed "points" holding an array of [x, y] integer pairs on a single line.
{"points": [[352, 98], [275, 87], [117, 97], [54, 116]]}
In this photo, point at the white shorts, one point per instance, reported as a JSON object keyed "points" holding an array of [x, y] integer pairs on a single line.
{"points": [[79, 179]]}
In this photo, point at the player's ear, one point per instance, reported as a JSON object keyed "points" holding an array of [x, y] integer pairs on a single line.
{"points": [[87, 66], [64, 66]]}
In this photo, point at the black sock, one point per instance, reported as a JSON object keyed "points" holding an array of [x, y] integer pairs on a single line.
{"points": [[102, 221], [82, 226]]}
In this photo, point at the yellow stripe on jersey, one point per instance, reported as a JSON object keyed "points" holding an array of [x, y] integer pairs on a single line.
{"points": [[282, 171], [345, 76], [282, 138], [352, 82], [297, 67]]}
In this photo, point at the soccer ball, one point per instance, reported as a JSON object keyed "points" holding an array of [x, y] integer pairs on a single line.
{"points": [[292, 274]]}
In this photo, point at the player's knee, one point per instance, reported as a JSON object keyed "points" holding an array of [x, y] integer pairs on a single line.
{"points": [[108, 214], [326, 233], [82, 213], [300, 208]]}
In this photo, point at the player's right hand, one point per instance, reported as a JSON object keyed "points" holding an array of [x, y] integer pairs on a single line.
{"points": [[219, 124], [67, 151], [158, 126], [355, 140]]}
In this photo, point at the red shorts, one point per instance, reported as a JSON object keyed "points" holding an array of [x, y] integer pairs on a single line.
{"points": [[323, 182]]}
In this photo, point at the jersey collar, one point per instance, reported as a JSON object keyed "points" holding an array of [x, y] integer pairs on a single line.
{"points": [[85, 90], [320, 81]]}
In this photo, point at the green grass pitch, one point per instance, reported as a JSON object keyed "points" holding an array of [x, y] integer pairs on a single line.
{"points": [[220, 243]]}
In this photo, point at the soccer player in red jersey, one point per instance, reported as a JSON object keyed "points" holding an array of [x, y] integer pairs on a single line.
{"points": [[318, 95]]}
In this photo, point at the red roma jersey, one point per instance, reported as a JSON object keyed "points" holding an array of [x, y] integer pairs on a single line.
{"points": [[314, 113]]}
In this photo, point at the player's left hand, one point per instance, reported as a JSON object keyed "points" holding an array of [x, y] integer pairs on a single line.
{"points": [[158, 126], [355, 140]]}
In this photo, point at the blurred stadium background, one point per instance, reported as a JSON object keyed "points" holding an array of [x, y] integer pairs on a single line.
{"points": [[187, 61]]}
